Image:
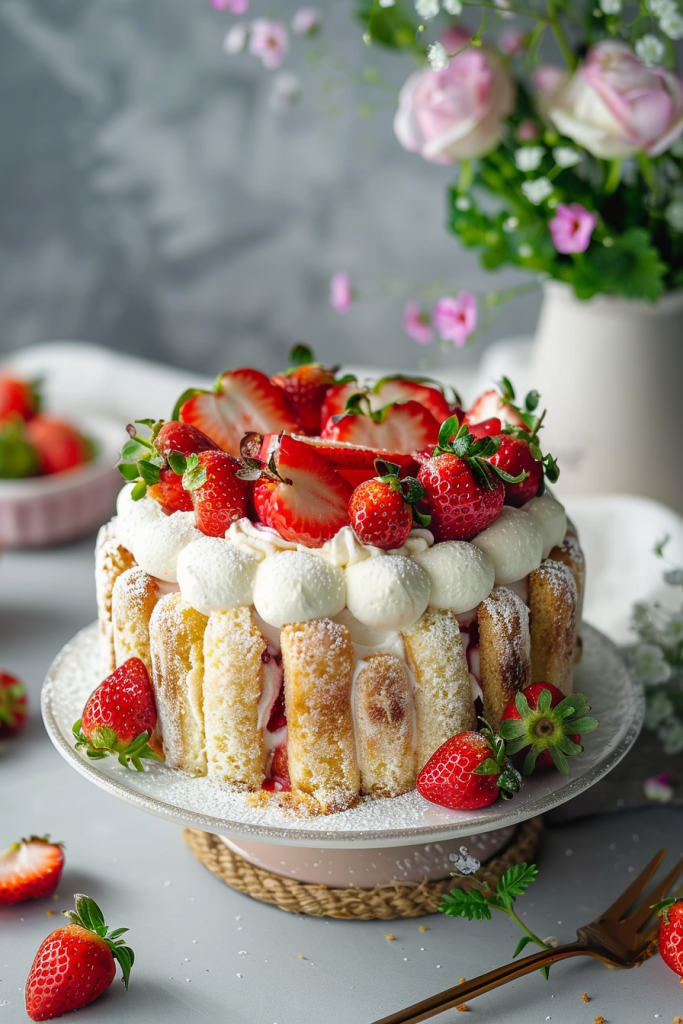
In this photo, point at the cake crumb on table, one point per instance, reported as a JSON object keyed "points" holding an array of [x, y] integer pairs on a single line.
{"points": [[389, 937], [586, 998], [600, 1020], [678, 1020], [463, 1007], [462, 980], [424, 928]]}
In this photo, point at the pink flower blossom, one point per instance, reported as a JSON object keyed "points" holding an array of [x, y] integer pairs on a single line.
{"points": [[455, 319], [269, 41], [527, 131], [233, 6], [341, 292], [306, 21], [416, 324], [571, 227], [512, 42]]}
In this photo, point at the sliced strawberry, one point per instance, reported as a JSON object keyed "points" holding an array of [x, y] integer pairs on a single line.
{"points": [[490, 405], [242, 401], [301, 494], [401, 427], [305, 384], [30, 870], [218, 495], [279, 780], [356, 463], [418, 389], [335, 400]]}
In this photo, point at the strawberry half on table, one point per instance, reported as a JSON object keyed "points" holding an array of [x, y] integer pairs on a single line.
{"points": [[120, 717], [545, 727], [241, 401], [298, 492], [465, 492], [30, 870], [469, 771], [306, 384], [13, 705], [76, 963]]}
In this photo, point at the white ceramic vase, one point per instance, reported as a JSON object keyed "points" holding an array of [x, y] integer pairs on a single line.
{"points": [[610, 371]]}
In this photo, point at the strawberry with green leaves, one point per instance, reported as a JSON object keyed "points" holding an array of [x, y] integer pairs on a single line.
{"points": [[120, 717], [545, 727], [30, 870], [306, 384], [670, 912], [13, 705], [76, 963], [219, 496], [18, 397], [469, 771], [381, 510], [465, 492]]}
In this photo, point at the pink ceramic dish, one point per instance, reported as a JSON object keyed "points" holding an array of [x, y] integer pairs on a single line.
{"points": [[42, 511]]}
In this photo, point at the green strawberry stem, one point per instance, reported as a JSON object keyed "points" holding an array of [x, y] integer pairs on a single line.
{"points": [[89, 916], [104, 742]]}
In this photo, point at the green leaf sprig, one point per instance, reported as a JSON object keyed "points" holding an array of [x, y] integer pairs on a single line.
{"points": [[479, 899], [89, 916], [456, 439]]}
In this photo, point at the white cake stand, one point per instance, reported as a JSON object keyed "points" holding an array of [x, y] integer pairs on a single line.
{"points": [[403, 839]]}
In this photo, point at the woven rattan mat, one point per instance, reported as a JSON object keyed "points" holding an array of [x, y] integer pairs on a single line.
{"points": [[384, 902]]}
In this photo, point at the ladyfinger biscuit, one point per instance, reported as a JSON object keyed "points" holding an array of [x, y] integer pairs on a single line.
{"points": [[442, 695], [233, 675], [111, 559], [176, 633], [504, 650], [571, 554], [133, 601], [553, 605], [317, 659], [384, 716]]}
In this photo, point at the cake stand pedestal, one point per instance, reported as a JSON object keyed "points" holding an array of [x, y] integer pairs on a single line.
{"points": [[421, 873]]}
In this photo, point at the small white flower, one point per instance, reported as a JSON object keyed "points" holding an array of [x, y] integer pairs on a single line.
{"points": [[650, 49], [672, 25], [437, 56], [610, 6], [525, 251], [464, 862], [427, 8], [236, 39], [552, 941], [504, 8], [659, 708], [528, 158], [674, 214], [510, 224], [285, 91], [453, 7], [566, 156], [651, 665], [660, 8], [671, 735], [537, 191], [463, 203], [387, 3]]}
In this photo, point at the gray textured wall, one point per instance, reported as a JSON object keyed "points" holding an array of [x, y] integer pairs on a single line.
{"points": [[151, 201]]}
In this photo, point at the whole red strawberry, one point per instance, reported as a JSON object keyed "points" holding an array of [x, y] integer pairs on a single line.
{"points": [[12, 705], [120, 717], [76, 963], [183, 438], [18, 397], [381, 510], [219, 496], [30, 870], [300, 494], [156, 464], [305, 384], [59, 446], [671, 933], [515, 456], [468, 771], [545, 726], [169, 492], [464, 492]]}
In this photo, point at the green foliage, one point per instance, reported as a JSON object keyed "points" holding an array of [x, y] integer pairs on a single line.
{"points": [[393, 27]]}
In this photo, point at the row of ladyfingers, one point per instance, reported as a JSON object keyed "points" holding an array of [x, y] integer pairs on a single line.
{"points": [[345, 736]]}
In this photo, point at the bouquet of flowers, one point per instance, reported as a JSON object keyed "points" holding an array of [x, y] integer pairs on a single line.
{"points": [[569, 167]]}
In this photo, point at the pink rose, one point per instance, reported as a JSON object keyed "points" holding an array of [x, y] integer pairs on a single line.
{"points": [[615, 106], [571, 227], [458, 113]]}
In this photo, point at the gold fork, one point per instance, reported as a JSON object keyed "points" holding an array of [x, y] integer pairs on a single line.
{"points": [[615, 938]]}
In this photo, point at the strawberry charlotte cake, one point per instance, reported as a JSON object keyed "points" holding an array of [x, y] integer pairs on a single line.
{"points": [[327, 581]]}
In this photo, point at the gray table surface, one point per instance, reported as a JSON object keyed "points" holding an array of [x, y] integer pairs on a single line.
{"points": [[205, 953]]}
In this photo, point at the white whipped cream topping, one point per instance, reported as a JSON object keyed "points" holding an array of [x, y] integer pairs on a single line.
{"points": [[215, 576], [367, 641], [460, 574], [514, 543], [551, 517], [134, 515], [387, 593], [260, 540], [294, 586], [157, 546]]}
